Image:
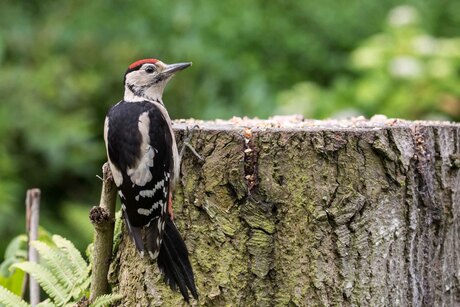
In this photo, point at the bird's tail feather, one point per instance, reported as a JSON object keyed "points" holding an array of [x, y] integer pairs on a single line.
{"points": [[174, 263]]}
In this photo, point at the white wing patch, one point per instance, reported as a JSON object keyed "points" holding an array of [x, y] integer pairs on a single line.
{"points": [[141, 174], [116, 174], [155, 205], [150, 193], [147, 193], [154, 255]]}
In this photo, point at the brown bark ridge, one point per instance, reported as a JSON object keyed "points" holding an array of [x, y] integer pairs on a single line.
{"points": [[103, 219], [293, 212]]}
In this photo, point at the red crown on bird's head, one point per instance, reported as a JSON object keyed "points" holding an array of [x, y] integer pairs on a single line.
{"points": [[141, 62]]}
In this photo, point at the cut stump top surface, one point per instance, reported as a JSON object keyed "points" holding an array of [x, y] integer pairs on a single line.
{"points": [[297, 122]]}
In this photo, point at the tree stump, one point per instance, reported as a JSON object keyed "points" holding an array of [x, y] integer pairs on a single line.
{"points": [[292, 212]]}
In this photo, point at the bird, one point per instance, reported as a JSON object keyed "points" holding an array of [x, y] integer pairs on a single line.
{"points": [[144, 161]]}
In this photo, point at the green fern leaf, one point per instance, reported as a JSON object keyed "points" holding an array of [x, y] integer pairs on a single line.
{"points": [[78, 292], [77, 263], [106, 300], [9, 299], [46, 279], [46, 303], [57, 264]]}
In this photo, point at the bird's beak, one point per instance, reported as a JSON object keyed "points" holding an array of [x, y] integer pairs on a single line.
{"points": [[173, 68]]}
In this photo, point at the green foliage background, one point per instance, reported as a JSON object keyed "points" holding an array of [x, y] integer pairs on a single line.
{"points": [[62, 65]]}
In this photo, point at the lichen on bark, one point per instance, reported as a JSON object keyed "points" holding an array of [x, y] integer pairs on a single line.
{"points": [[330, 213]]}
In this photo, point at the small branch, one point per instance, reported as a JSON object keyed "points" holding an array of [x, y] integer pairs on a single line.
{"points": [[32, 219], [186, 143], [103, 219]]}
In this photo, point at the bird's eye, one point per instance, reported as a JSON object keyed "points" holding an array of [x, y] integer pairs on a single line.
{"points": [[149, 69]]}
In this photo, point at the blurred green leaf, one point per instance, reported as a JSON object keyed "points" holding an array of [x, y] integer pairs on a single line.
{"points": [[17, 248], [400, 72], [16, 252], [14, 282]]}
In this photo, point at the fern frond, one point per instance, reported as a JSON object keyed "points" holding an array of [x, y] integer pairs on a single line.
{"points": [[106, 300], [77, 263], [78, 292], [9, 299], [46, 279], [89, 253], [46, 303], [58, 264]]}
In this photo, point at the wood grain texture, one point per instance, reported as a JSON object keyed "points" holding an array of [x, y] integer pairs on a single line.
{"points": [[313, 213]]}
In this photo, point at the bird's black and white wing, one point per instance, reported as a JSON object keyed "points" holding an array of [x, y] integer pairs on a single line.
{"points": [[139, 147]]}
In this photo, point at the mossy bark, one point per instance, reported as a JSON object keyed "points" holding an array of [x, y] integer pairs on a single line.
{"points": [[306, 215]]}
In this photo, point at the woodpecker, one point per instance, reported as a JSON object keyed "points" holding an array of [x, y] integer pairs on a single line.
{"points": [[144, 161]]}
